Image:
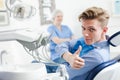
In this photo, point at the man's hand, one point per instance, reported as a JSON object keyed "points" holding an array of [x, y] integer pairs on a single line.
{"points": [[74, 60]]}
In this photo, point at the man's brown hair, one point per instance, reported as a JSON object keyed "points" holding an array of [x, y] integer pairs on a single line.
{"points": [[95, 13]]}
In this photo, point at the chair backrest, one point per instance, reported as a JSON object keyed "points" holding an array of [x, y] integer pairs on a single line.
{"points": [[102, 66], [111, 72]]}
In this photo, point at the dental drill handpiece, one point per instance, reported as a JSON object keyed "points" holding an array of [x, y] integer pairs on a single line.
{"points": [[63, 72]]}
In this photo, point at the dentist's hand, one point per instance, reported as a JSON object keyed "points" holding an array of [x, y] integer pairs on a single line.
{"points": [[74, 60]]}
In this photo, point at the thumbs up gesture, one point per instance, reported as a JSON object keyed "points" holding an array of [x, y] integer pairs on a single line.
{"points": [[74, 60]]}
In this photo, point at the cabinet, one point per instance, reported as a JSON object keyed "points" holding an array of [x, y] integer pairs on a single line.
{"points": [[46, 8]]}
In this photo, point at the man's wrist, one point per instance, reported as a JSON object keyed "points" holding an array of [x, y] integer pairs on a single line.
{"points": [[67, 56]]}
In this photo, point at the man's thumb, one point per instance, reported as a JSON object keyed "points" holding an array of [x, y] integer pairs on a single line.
{"points": [[78, 51]]}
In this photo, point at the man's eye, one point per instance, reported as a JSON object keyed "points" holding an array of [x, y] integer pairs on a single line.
{"points": [[91, 29], [83, 28]]}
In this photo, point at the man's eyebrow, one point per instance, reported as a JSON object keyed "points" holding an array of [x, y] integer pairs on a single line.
{"points": [[91, 27], [82, 26], [88, 27]]}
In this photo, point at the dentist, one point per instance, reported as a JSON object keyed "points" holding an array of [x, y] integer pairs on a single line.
{"points": [[94, 27], [59, 33]]}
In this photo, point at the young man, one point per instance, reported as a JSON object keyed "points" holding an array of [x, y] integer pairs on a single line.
{"points": [[94, 27]]}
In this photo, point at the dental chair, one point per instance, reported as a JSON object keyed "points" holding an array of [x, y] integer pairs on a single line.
{"points": [[109, 70]]}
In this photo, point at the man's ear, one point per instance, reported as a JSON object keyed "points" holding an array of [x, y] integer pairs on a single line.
{"points": [[105, 29]]}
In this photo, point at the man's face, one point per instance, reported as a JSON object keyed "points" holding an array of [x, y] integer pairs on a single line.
{"points": [[92, 31]]}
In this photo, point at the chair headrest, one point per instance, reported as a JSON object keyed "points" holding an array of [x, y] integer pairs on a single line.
{"points": [[114, 40]]}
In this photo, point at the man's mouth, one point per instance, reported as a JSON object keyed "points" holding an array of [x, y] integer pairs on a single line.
{"points": [[88, 41]]}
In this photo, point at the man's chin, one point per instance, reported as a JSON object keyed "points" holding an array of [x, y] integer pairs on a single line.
{"points": [[88, 43]]}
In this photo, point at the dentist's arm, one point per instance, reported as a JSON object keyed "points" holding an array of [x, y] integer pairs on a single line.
{"points": [[58, 40]]}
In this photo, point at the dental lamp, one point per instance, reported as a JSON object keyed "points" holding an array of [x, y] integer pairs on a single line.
{"points": [[20, 10]]}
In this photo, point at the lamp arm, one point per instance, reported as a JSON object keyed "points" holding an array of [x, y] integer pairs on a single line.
{"points": [[8, 4]]}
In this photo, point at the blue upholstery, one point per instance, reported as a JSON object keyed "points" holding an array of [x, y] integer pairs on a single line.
{"points": [[51, 68], [100, 67]]}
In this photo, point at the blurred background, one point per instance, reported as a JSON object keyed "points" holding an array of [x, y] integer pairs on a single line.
{"points": [[38, 17]]}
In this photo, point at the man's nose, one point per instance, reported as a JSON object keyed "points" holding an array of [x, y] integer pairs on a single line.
{"points": [[86, 34]]}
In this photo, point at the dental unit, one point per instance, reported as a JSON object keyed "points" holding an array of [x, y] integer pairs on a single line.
{"points": [[31, 41]]}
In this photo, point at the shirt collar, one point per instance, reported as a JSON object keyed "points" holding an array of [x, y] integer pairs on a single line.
{"points": [[100, 44]]}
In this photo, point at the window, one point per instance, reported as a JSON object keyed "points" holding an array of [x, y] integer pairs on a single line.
{"points": [[116, 8], [4, 19], [46, 8]]}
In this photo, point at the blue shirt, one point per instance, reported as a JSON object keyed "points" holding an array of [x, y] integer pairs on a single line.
{"points": [[92, 58], [85, 47], [55, 32]]}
